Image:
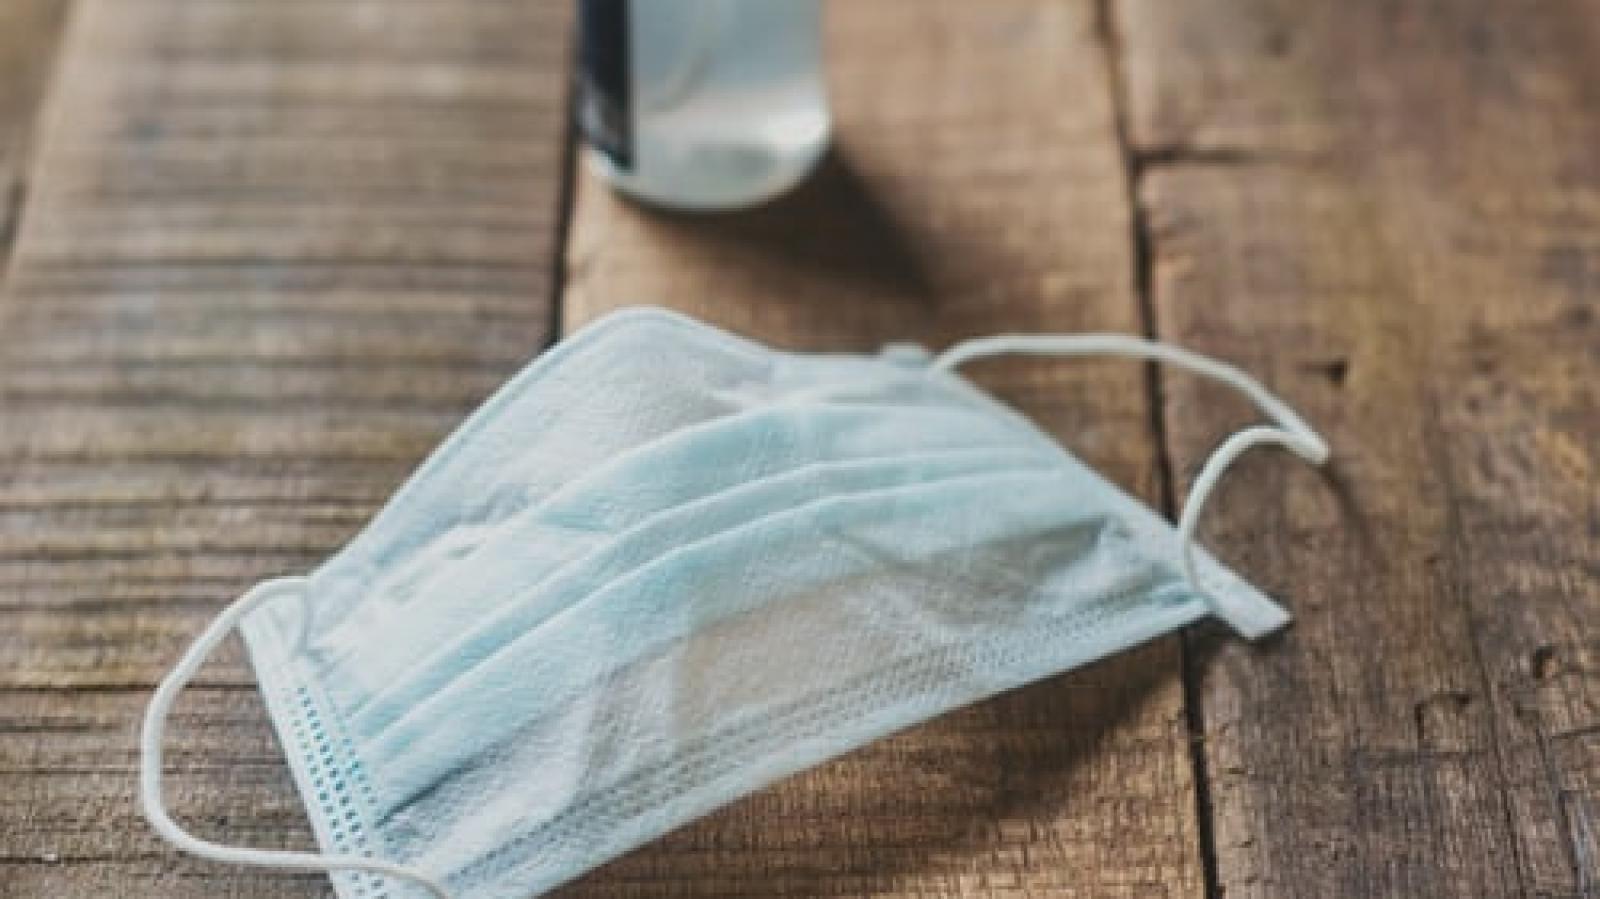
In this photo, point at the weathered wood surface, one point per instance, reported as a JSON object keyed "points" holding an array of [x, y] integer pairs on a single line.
{"points": [[29, 32], [1392, 211], [272, 252], [977, 185]]}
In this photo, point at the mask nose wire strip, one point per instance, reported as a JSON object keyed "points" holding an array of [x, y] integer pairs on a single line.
{"points": [[1290, 432], [150, 759]]}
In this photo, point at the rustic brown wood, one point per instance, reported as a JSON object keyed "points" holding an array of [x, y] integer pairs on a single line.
{"points": [[272, 252], [28, 36], [977, 187], [1392, 212]]}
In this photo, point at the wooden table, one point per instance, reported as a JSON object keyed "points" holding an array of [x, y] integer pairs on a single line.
{"points": [[260, 256]]}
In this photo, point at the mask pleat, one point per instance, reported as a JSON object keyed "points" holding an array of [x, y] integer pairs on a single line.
{"points": [[472, 570], [761, 566], [865, 627], [420, 671]]}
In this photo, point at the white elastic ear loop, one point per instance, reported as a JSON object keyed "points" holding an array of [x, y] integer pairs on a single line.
{"points": [[150, 738], [1292, 432]]}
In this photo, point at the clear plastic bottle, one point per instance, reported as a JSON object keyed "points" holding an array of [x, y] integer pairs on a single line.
{"points": [[702, 104]]}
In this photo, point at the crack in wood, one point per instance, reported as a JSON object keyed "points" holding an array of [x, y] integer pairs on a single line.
{"points": [[1170, 155], [15, 195], [1135, 165]]}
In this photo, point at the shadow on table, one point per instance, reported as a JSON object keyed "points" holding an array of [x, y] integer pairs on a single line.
{"points": [[833, 222]]}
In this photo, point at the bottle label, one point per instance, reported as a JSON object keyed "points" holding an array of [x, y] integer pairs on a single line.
{"points": [[603, 102]]}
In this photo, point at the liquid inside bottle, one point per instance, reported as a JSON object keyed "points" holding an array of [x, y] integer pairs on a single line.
{"points": [[702, 104]]}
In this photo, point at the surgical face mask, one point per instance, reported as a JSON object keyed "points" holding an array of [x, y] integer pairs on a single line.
{"points": [[664, 567]]}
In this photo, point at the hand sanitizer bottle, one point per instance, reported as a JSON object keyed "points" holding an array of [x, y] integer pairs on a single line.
{"points": [[702, 104]]}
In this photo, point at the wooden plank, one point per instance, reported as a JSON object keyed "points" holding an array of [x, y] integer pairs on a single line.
{"points": [[977, 187], [28, 35], [272, 253], [1393, 213]]}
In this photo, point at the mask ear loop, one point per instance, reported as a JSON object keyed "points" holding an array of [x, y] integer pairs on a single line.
{"points": [[150, 761], [1290, 432]]}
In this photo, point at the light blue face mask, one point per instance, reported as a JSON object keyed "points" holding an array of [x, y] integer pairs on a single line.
{"points": [[664, 567]]}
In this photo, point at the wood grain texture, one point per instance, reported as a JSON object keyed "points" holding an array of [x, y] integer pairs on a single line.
{"points": [[272, 253], [977, 187], [1392, 212], [29, 31]]}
